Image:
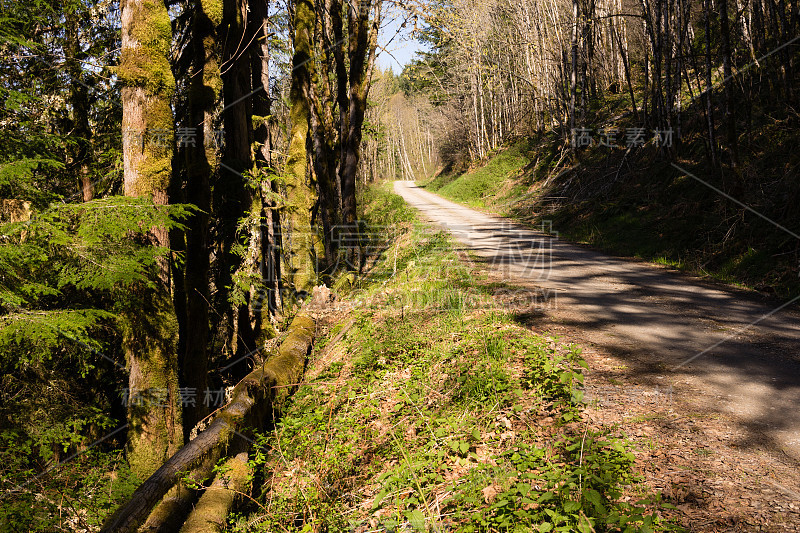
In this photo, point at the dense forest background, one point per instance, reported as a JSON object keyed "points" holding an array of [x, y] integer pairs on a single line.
{"points": [[177, 177]]}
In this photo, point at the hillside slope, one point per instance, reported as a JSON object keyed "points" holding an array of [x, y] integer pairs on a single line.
{"points": [[632, 202]]}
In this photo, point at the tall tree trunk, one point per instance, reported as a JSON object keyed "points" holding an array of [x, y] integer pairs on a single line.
{"points": [[628, 81], [269, 303], [300, 195], [758, 27], [201, 162], [324, 131], [252, 266], [150, 327], [342, 100], [730, 104], [363, 42], [233, 192], [573, 79], [79, 100], [786, 20], [324, 161], [712, 141], [473, 79]]}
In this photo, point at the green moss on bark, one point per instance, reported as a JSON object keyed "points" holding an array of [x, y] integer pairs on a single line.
{"points": [[146, 64], [300, 193], [212, 76], [213, 10], [212, 509], [150, 332], [143, 67], [149, 323]]}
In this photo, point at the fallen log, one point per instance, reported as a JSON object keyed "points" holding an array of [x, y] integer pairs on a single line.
{"points": [[264, 390], [210, 512], [168, 515]]}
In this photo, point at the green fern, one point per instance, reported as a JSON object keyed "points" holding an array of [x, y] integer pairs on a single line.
{"points": [[57, 267]]}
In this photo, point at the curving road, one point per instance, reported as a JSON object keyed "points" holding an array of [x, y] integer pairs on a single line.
{"points": [[729, 350]]}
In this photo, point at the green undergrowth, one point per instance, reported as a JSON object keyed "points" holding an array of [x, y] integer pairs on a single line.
{"points": [[486, 181], [437, 411], [75, 494]]}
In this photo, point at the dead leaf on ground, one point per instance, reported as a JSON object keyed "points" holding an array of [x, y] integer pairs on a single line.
{"points": [[489, 493]]}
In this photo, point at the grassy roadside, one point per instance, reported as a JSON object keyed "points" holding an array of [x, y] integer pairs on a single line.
{"points": [[437, 411], [633, 205], [487, 181]]}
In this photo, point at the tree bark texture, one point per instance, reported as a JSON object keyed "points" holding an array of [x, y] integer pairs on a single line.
{"points": [[150, 327]]}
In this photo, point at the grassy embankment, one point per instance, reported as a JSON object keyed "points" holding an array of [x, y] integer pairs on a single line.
{"points": [[636, 205], [435, 410]]}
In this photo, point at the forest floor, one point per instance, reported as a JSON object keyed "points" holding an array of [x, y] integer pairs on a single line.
{"points": [[703, 378]]}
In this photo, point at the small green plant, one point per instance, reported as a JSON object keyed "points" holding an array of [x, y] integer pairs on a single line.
{"points": [[574, 486], [556, 376], [495, 347]]}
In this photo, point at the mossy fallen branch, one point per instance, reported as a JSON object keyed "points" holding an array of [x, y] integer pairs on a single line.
{"points": [[210, 512], [262, 391], [168, 515]]}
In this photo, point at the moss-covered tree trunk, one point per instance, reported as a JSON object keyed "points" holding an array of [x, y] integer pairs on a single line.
{"points": [[211, 511], [301, 269], [150, 327], [260, 395]]}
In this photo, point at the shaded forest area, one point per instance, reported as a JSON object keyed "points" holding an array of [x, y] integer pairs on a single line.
{"points": [[176, 179]]}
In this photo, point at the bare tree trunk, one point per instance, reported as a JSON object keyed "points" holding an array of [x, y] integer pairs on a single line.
{"points": [[786, 25], [265, 305], [476, 112], [709, 83], [323, 159], [758, 26], [628, 81], [342, 99], [79, 100], [484, 137], [574, 66], [730, 104], [324, 132], [200, 165], [361, 51], [233, 197]]}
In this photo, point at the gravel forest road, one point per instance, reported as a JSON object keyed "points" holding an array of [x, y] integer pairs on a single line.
{"points": [[717, 349]]}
